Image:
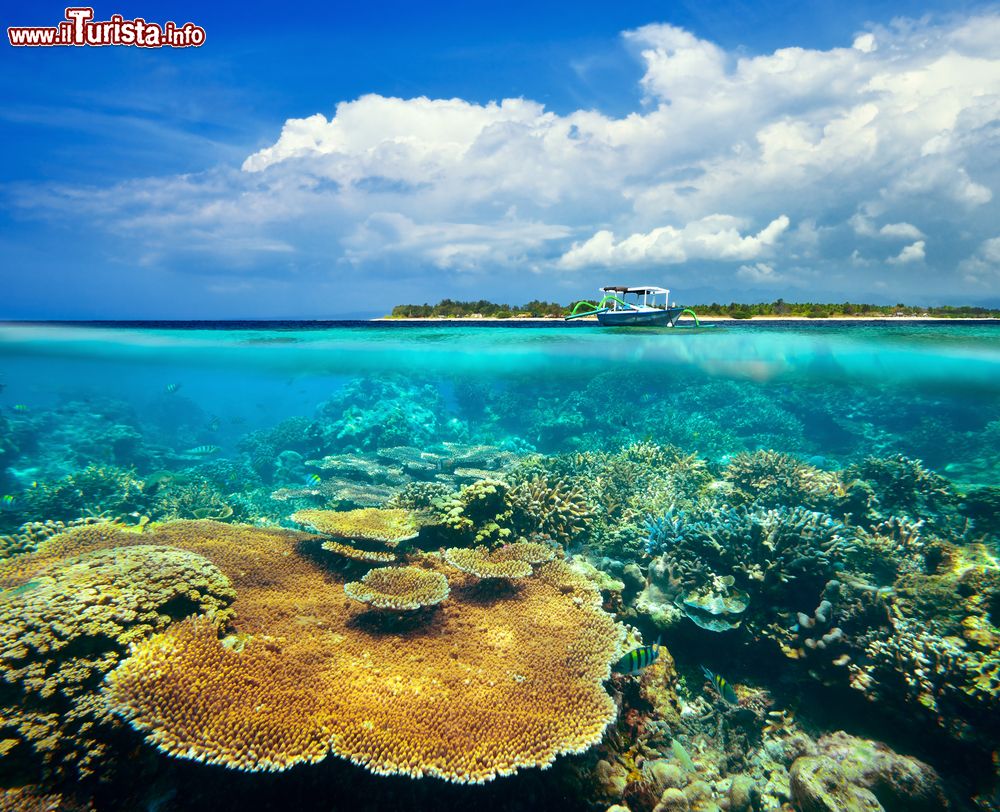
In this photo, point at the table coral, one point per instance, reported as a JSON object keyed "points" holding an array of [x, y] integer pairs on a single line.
{"points": [[70, 621], [401, 589], [384, 525], [481, 563], [484, 689]]}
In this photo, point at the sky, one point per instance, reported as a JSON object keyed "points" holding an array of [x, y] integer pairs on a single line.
{"points": [[332, 160]]}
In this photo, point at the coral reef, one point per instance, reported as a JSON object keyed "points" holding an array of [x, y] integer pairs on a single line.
{"points": [[388, 526], [400, 589], [481, 563], [557, 510], [513, 703], [70, 622], [847, 774]]}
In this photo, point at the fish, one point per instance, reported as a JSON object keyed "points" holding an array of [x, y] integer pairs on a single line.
{"points": [[722, 686], [20, 407], [213, 424], [638, 658], [203, 451], [314, 479], [2, 387], [681, 754], [172, 387], [7, 500]]}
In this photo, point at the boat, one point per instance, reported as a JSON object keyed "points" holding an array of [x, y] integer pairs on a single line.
{"points": [[625, 306]]}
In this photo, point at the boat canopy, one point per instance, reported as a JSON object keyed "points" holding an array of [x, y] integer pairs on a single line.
{"points": [[641, 290]]}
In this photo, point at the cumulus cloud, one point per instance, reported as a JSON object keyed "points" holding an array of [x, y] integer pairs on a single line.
{"points": [[905, 231], [716, 237], [854, 145], [910, 254]]}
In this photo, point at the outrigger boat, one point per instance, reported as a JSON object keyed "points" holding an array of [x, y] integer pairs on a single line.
{"points": [[615, 309]]}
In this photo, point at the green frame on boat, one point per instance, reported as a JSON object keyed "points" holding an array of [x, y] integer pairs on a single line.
{"points": [[600, 308]]}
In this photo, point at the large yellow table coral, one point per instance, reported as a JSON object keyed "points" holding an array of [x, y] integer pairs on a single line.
{"points": [[483, 688], [388, 526]]}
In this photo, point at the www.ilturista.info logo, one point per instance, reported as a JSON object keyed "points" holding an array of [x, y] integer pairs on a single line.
{"points": [[79, 28]]}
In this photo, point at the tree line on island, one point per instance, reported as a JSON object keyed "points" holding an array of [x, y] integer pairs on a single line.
{"points": [[451, 309]]}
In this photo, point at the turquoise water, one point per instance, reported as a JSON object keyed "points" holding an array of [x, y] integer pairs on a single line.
{"points": [[871, 426]]}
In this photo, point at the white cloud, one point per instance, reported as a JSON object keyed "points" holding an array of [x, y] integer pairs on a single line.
{"points": [[859, 142], [904, 231], [716, 237], [910, 254], [983, 267], [759, 272]]}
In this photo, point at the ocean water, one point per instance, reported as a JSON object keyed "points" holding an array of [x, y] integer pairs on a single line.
{"points": [[810, 510]]}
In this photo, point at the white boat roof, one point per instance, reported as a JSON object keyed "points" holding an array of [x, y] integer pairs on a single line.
{"points": [[640, 289]]}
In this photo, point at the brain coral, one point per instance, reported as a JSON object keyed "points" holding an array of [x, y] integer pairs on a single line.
{"points": [[482, 689], [390, 526], [399, 588], [71, 621]]}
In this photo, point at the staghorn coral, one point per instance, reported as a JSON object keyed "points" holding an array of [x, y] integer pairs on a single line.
{"points": [[190, 500], [770, 478], [97, 490], [386, 526], [64, 627], [400, 589], [904, 487], [556, 509]]}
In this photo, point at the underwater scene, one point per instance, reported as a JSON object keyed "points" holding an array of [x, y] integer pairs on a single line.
{"points": [[384, 565]]}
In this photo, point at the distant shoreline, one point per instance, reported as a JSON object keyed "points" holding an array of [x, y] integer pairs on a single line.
{"points": [[700, 318]]}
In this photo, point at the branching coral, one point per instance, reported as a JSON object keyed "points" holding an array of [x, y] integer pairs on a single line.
{"points": [[764, 559], [94, 491], [400, 589], [904, 487], [64, 627], [556, 509], [770, 478], [192, 500]]}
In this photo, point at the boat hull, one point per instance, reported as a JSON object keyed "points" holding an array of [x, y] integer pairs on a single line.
{"points": [[640, 318]]}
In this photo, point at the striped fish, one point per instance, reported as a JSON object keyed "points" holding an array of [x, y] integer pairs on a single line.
{"points": [[638, 658], [314, 479], [722, 686], [8, 500], [172, 387], [20, 407], [203, 451]]}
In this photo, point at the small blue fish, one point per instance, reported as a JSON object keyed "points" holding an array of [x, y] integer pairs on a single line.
{"points": [[722, 686], [172, 387], [20, 407], [7, 500], [638, 658]]}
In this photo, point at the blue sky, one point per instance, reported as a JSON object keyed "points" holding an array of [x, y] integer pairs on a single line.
{"points": [[729, 150]]}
